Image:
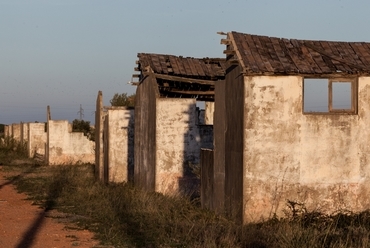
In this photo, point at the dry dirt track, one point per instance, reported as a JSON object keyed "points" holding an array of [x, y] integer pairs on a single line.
{"points": [[24, 225]]}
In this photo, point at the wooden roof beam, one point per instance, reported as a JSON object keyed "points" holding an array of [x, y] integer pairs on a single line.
{"points": [[181, 79]]}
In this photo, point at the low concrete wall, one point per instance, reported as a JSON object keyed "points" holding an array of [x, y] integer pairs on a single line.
{"points": [[16, 131], [24, 132], [119, 145], [37, 139], [64, 147]]}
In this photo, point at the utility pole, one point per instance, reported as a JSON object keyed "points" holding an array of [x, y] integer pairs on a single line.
{"points": [[81, 112]]}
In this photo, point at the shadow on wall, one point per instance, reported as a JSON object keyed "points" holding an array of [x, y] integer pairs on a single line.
{"points": [[198, 136]]}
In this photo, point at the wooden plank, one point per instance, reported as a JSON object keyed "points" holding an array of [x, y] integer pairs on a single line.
{"points": [[205, 68], [342, 56], [174, 65], [317, 57], [357, 62], [182, 79], [180, 65], [191, 92], [186, 66], [192, 66], [294, 48], [264, 53], [157, 68], [162, 61], [256, 55], [285, 64], [250, 63], [333, 54], [197, 64], [274, 59], [362, 53], [347, 57]]}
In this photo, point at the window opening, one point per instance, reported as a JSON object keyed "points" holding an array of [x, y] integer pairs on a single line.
{"points": [[337, 95]]}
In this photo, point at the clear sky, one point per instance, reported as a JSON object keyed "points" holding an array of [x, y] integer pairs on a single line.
{"points": [[62, 52]]}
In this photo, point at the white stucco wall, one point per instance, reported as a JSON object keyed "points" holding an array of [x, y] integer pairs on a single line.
{"points": [[317, 160], [24, 132], [120, 140], [36, 139], [66, 147], [177, 143], [16, 131]]}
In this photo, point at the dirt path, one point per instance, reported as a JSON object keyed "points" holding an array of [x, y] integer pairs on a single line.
{"points": [[23, 225]]}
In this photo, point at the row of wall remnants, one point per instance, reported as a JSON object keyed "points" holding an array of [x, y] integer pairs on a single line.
{"points": [[53, 142]]}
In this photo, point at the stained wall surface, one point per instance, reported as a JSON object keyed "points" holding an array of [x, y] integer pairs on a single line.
{"points": [[16, 131], [65, 147], [177, 143], [119, 145], [24, 132], [36, 139], [319, 161]]}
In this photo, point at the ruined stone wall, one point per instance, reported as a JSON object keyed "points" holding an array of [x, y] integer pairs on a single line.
{"points": [[66, 147], [319, 161], [119, 145], [16, 131], [37, 139]]}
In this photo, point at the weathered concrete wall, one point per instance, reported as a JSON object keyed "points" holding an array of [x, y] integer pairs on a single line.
{"points": [[320, 161], [119, 145], [177, 144], [7, 131], [66, 147], [16, 131], [37, 139], [24, 132]]}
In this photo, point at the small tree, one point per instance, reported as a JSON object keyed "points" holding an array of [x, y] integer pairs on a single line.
{"points": [[123, 100], [83, 126]]}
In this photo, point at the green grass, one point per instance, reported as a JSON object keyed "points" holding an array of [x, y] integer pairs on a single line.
{"points": [[123, 216]]}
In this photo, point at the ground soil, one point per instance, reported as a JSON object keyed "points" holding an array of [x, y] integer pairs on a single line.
{"points": [[23, 225]]}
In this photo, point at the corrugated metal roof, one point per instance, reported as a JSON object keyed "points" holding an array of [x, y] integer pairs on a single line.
{"points": [[270, 55], [205, 68]]}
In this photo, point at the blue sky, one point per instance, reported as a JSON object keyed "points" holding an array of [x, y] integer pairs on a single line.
{"points": [[62, 52]]}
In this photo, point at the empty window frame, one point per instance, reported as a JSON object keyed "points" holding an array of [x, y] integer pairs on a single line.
{"points": [[333, 95]]}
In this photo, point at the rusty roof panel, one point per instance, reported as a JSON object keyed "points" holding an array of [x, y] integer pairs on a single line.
{"points": [[207, 68], [266, 55]]}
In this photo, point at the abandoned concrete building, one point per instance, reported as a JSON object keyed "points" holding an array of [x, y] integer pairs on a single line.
{"points": [[167, 135], [271, 139]]}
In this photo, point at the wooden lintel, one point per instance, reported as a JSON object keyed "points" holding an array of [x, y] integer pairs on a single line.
{"points": [[181, 79], [233, 61], [229, 52], [225, 41], [191, 92]]}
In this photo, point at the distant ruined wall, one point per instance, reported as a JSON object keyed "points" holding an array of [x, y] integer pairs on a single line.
{"points": [[37, 139], [66, 147], [16, 131]]}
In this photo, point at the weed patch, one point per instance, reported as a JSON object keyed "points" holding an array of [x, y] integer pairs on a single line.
{"points": [[123, 216]]}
